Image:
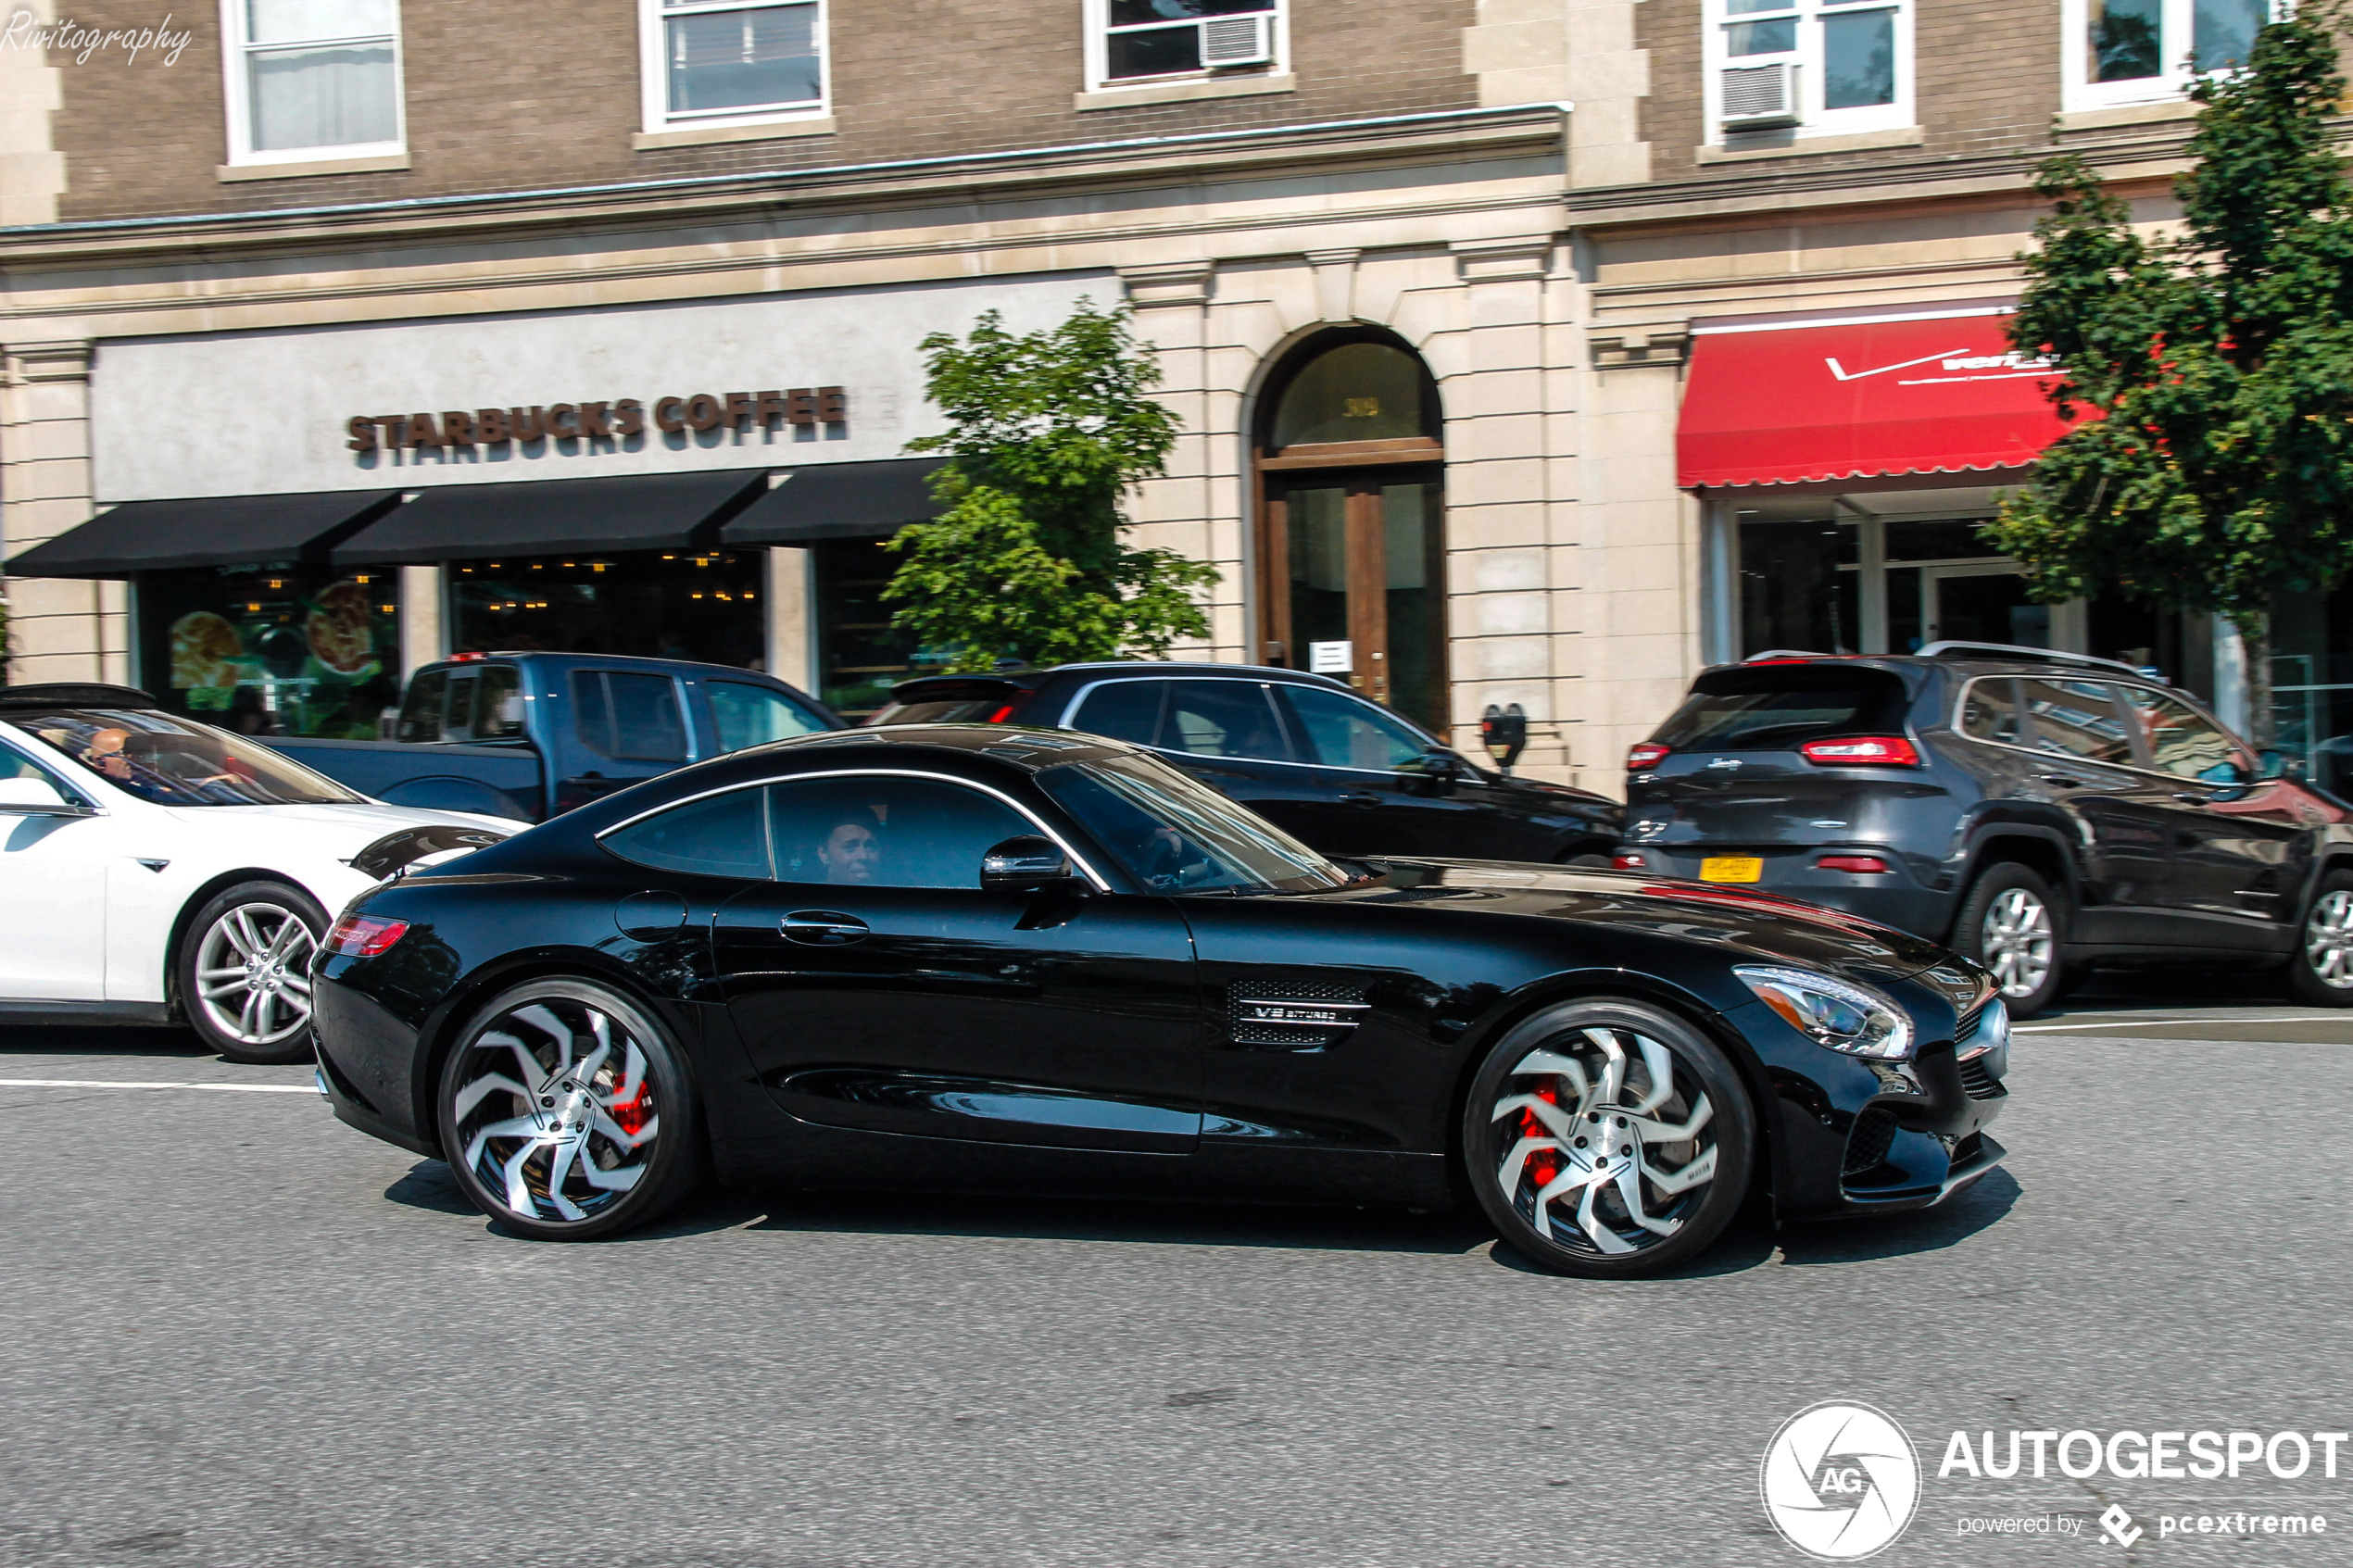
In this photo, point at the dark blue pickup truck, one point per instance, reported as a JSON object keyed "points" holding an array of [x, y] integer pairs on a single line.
{"points": [[529, 735]]}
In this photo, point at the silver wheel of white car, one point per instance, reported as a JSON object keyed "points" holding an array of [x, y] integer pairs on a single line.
{"points": [[562, 1109], [244, 979]]}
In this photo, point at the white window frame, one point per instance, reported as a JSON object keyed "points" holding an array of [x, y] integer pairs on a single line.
{"points": [[1098, 31], [653, 55], [238, 84], [2079, 92], [1813, 119]]}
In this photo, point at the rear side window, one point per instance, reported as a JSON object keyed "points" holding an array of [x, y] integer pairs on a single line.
{"points": [[497, 703], [725, 835], [1779, 706], [1128, 710], [632, 718], [420, 710], [1223, 719], [1990, 712], [748, 715], [2076, 719]]}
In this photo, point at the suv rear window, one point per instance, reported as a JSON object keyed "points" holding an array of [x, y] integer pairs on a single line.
{"points": [[1779, 707], [954, 705]]}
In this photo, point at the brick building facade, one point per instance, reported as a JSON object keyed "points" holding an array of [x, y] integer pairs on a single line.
{"points": [[1546, 203]]}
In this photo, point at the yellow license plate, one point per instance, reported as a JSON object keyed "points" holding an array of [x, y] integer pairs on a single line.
{"points": [[1732, 868]]}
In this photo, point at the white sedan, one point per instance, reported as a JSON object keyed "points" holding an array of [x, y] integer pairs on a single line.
{"points": [[153, 868]]}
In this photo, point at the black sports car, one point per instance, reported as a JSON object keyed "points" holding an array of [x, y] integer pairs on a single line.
{"points": [[1022, 959]]}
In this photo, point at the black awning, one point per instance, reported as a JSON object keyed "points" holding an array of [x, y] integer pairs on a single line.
{"points": [[657, 511], [207, 531], [839, 501]]}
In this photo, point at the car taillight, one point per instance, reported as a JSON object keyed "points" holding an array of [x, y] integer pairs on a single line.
{"points": [[363, 936], [1866, 865], [1003, 713], [1650, 754], [1629, 863], [1869, 751]]}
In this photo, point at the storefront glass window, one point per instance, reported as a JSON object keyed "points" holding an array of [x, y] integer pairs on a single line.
{"points": [[859, 655], [1792, 593], [2312, 685], [283, 649], [649, 604]]}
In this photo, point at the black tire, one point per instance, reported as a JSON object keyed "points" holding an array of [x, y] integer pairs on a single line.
{"points": [[2324, 945], [614, 1095], [1595, 1234], [1996, 928], [243, 971]]}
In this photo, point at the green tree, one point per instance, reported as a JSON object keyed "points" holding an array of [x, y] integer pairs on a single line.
{"points": [[2220, 360], [1028, 558]]}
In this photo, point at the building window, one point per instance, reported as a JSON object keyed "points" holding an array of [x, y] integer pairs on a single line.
{"points": [[2145, 51], [1139, 41], [307, 77], [1798, 67], [732, 62]]}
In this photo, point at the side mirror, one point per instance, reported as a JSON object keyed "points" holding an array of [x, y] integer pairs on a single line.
{"points": [[35, 797], [2276, 765], [1028, 864], [1440, 763]]}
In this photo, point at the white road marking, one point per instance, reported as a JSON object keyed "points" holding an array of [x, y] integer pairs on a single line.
{"points": [[2177, 1023], [119, 1083]]}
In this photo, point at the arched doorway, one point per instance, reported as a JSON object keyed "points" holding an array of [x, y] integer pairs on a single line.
{"points": [[1352, 548]]}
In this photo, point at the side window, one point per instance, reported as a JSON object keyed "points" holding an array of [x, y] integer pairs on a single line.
{"points": [[2076, 719], [1223, 719], [13, 766], [1345, 731], [460, 724], [748, 715], [1125, 710], [878, 831], [420, 709], [1989, 711], [2181, 741], [725, 836], [497, 703], [312, 77], [632, 718]]}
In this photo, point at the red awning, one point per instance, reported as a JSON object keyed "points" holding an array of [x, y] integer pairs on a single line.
{"points": [[1795, 404]]}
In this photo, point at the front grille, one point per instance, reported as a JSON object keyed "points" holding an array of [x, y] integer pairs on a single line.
{"points": [[1968, 1149], [1978, 1083], [1868, 1144], [1967, 1022]]}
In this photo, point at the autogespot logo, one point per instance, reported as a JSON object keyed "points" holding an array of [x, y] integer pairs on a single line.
{"points": [[1841, 1481]]}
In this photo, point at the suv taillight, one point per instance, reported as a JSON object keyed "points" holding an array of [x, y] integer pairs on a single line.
{"points": [[1650, 754], [1004, 712], [1863, 751], [363, 936]]}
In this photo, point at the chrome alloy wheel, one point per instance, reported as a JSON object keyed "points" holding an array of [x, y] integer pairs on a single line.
{"points": [[1615, 1150], [2016, 942], [555, 1109], [253, 973], [2328, 939]]}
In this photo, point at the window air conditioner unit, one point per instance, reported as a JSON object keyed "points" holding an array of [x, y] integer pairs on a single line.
{"points": [[1760, 97], [1238, 40]]}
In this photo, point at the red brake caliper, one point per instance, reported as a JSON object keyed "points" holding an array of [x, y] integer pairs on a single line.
{"points": [[1543, 1165], [632, 1114]]}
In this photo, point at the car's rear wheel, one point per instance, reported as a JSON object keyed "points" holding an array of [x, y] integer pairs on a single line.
{"points": [[2009, 923], [1607, 1138], [243, 972], [2320, 969], [568, 1111]]}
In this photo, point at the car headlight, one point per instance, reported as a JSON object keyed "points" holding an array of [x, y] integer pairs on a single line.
{"points": [[1836, 1013]]}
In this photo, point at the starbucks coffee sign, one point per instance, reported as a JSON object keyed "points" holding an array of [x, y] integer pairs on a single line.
{"points": [[616, 420]]}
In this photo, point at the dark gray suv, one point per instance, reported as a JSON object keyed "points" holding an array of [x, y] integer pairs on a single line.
{"points": [[2043, 813]]}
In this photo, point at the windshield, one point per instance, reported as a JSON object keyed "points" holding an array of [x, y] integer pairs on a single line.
{"points": [[1775, 707], [1176, 835], [175, 762]]}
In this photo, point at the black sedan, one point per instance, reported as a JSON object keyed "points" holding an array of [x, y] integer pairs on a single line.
{"points": [[986, 958], [1337, 772]]}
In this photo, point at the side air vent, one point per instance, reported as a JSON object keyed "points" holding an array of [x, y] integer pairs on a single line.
{"points": [[1276, 1015]]}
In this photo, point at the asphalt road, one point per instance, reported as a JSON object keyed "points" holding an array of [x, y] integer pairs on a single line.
{"points": [[237, 1333]]}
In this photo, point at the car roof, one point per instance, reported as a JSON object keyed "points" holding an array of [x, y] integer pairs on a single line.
{"points": [[602, 662], [1034, 679], [75, 694], [1974, 658], [1030, 748]]}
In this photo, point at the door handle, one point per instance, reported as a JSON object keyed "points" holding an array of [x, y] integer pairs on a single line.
{"points": [[2062, 780], [824, 928], [1359, 797]]}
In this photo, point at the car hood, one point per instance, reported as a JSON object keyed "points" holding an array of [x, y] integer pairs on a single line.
{"points": [[1749, 926], [361, 822]]}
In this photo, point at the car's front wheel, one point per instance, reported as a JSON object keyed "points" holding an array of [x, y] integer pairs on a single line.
{"points": [[1607, 1138], [2320, 969], [2009, 923], [568, 1111], [243, 972]]}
